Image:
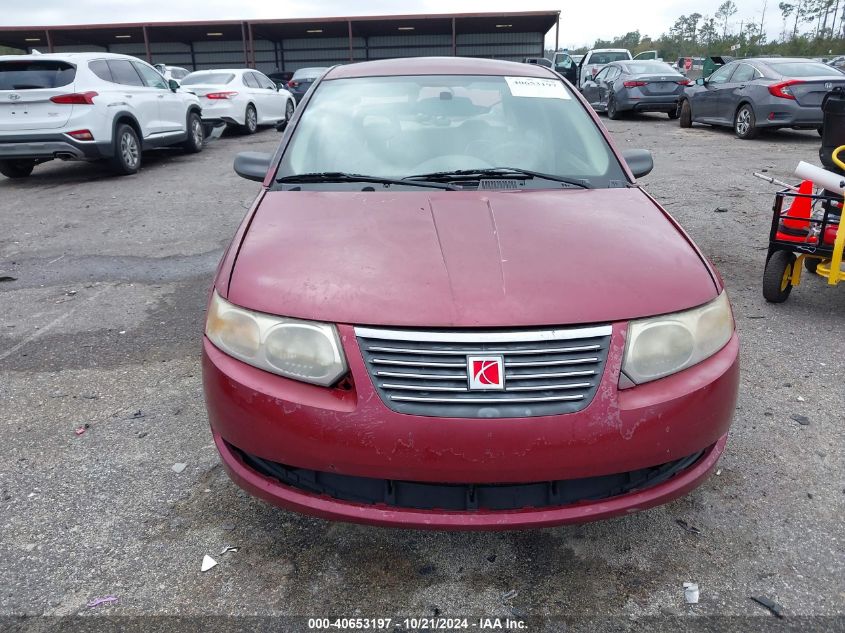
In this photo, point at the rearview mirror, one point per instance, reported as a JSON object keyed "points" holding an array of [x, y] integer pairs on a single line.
{"points": [[639, 161], [253, 165]]}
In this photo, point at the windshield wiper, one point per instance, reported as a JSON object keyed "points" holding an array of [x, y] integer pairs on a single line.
{"points": [[495, 172], [339, 176]]}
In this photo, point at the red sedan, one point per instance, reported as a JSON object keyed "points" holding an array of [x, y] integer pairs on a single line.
{"points": [[452, 307]]}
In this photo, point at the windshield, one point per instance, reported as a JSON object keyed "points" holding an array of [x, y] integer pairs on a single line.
{"points": [[803, 69], [32, 75], [649, 68], [216, 79], [606, 58], [396, 127]]}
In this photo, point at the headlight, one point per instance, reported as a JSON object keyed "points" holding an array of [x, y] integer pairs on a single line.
{"points": [[302, 350], [665, 345]]}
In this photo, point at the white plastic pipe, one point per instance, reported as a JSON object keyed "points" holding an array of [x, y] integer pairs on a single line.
{"points": [[821, 177]]}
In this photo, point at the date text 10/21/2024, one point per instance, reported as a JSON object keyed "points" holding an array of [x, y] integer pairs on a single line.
{"points": [[415, 624]]}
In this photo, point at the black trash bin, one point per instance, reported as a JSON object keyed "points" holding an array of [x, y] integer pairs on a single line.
{"points": [[833, 128]]}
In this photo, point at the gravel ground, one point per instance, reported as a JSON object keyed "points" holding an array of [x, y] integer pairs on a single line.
{"points": [[102, 329]]}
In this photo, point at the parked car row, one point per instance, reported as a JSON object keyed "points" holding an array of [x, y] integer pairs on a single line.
{"points": [[748, 94], [103, 106]]}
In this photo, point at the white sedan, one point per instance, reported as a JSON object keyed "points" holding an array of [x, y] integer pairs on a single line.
{"points": [[242, 97]]}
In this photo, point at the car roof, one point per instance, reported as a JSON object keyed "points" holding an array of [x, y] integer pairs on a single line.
{"points": [[224, 70], [438, 66], [69, 57], [608, 50]]}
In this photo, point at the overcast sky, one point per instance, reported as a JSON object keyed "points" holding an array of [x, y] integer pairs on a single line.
{"points": [[582, 21]]}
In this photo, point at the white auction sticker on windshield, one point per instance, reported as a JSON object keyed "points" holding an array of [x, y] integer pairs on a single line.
{"points": [[537, 87]]}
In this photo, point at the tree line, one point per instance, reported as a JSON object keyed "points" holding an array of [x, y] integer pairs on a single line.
{"points": [[806, 28]]}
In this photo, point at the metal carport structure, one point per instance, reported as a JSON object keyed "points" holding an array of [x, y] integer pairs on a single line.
{"points": [[287, 44]]}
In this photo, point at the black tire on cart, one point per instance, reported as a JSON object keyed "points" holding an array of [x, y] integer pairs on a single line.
{"points": [[685, 114], [777, 282], [16, 168], [811, 263]]}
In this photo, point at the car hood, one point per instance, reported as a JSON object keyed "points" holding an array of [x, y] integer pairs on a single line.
{"points": [[467, 259]]}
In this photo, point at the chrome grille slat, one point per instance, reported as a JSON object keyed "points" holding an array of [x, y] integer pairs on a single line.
{"points": [[485, 400], [546, 372], [577, 385], [552, 363], [415, 363], [394, 374], [567, 374], [424, 388], [465, 352]]}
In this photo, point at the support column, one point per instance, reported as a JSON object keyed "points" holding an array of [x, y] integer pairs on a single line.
{"points": [[557, 33], [351, 49], [251, 44], [147, 45], [193, 56], [243, 41], [49, 41], [454, 38]]}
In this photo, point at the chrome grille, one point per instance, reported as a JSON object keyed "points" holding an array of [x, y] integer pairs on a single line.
{"points": [[547, 372]]}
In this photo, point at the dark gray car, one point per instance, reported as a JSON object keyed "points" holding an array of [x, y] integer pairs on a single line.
{"points": [[755, 93], [641, 86], [302, 81]]}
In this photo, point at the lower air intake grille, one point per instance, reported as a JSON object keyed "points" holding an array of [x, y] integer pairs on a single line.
{"points": [[539, 372]]}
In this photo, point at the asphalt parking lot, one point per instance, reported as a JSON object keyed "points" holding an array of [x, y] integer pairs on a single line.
{"points": [[101, 327]]}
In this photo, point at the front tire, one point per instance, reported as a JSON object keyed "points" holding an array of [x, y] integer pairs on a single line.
{"points": [[685, 118], [16, 169], [745, 123], [674, 114], [777, 278], [196, 135], [811, 264], [127, 151], [250, 120]]}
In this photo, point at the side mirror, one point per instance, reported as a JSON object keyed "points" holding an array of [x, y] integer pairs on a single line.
{"points": [[253, 165], [173, 84], [639, 161], [700, 81]]}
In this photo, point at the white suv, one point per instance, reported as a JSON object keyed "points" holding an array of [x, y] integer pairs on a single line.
{"points": [[90, 106], [595, 59]]}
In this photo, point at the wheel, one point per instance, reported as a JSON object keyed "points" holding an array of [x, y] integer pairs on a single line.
{"points": [[612, 112], [820, 130], [777, 277], [674, 114], [289, 109], [811, 263], [745, 124], [16, 168], [196, 136], [685, 115], [127, 150], [250, 120]]}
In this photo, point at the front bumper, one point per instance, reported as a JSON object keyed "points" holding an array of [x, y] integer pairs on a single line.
{"points": [[350, 432], [49, 146]]}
